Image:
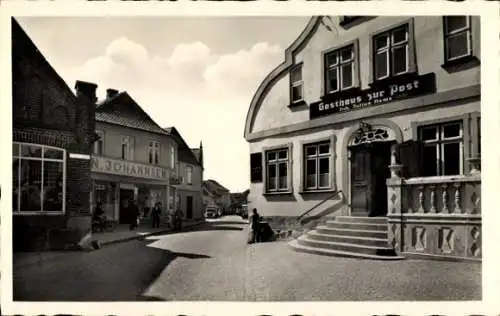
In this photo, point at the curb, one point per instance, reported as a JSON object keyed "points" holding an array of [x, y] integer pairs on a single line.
{"points": [[101, 244], [141, 237]]}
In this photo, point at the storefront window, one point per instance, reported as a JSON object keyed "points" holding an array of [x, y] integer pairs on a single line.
{"points": [[38, 178], [442, 151]]}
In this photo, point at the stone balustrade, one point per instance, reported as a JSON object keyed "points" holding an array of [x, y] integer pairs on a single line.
{"points": [[436, 216]]}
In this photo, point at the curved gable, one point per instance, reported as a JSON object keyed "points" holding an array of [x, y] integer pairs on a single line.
{"points": [[275, 74]]}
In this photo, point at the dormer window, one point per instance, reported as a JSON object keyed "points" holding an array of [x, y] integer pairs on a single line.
{"points": [[296, 84]]}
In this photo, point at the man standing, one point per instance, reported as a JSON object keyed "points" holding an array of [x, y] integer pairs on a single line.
{"points": [[155, 214], [254, 222]]}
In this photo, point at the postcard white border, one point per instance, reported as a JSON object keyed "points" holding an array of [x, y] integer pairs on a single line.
{"points": [[490, 165]]}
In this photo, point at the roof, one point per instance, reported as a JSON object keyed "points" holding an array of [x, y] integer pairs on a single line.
{"points": [[215, 187], [124, 111], [22, 44], [185, 153]]}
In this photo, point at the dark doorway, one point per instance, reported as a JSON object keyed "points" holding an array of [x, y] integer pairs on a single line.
{"points": [[369, 172], [125, 197], [189, 207]]}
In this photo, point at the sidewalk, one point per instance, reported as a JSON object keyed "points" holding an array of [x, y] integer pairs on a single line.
{"points": [[121, 234]]}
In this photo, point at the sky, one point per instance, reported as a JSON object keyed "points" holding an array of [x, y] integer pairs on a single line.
{"points": [[198, 74]]}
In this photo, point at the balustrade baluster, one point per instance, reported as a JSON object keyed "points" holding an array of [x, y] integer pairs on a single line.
{"points": [[433, 199], [421, 199], [457, 209], [445, 198]]}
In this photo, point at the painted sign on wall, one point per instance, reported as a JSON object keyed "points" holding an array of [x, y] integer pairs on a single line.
{"points": [[127, 168], [398, 88]]}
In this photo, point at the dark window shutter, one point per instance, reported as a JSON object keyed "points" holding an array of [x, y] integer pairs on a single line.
{"points": [[256, 167], [410, 156]]}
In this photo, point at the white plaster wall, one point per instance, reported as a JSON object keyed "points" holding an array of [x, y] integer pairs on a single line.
{"points": [[274, 111]]}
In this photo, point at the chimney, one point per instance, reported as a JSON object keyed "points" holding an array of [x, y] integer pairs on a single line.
{"points": [[111, 93], [86, 89]]}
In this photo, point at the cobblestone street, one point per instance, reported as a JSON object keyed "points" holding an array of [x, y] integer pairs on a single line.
{"points": [[213, 262]]}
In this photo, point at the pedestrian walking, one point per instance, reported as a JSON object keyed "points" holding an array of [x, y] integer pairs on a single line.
{"points": [[134, 215], [155, 214]]}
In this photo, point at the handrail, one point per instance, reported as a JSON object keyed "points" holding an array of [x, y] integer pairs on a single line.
{"points": [[320, 203]]}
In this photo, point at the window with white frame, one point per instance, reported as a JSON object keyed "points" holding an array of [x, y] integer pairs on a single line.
{"points": [[391, 53], [189, 175], [127, 148], [339, 69], [296, 84], [442, 152], [99, 144], [317, 169], [457, 37], [38, 178], [277, 174], [154, 152], [172, 157]]}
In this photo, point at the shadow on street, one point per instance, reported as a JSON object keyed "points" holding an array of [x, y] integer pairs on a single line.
{"points": [[112, 274]]}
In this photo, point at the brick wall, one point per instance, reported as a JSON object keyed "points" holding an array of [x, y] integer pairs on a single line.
{"points": [[46, 112]]}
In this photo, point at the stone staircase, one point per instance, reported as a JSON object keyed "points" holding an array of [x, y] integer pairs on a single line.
{"points": [[346, 236]]}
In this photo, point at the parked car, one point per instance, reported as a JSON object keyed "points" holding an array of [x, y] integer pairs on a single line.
{"points": [[211, 212]]}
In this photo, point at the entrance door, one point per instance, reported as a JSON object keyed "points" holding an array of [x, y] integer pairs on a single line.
{"points": [[369, 173], [189, 206], [360, 180], [125, 197]]}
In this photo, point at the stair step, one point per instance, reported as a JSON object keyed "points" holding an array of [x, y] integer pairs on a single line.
{"points": [[358, 225], [343, 246], [338, 253], [370, 241], [360, 219], [352, 232]]}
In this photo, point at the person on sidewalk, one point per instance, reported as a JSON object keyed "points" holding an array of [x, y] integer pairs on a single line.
{"points": [[98, 218], [254, 225], [155, 215], [134, 215]]}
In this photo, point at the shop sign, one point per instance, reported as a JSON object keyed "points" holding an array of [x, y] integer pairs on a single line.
{"points": [[127, 168], [402, 88]]}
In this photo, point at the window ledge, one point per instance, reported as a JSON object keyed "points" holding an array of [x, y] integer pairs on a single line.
{"points": [[277, 193], [456, 64], [316, 191], [297, 104]]}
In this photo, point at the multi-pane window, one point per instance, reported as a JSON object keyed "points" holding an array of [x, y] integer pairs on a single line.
{"points": [[99, 144], [391, 53], [479, 136], [172, 157], [277, 170], [127, 148], [154, 152], [189, 175], [457, 37], [442, 152], [339, 69], [38, 178], [317, 166], [296, 84]]}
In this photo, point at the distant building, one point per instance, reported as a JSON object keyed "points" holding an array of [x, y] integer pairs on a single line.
{"points": [[216, 194], [190, 177], [375, 117], [134, 159], [53, 132]]}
